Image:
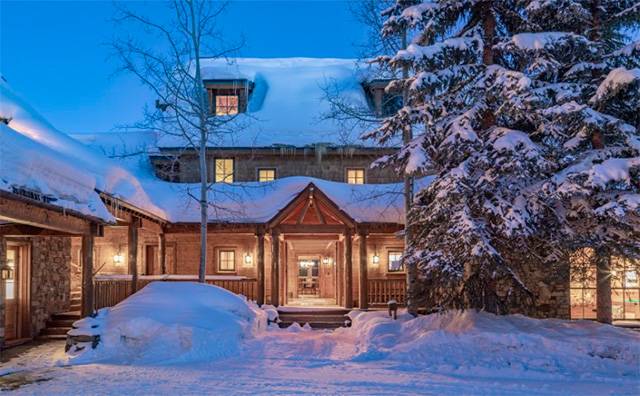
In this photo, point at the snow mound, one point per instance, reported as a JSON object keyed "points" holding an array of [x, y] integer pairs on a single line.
{"points": [[170, 322], [482, 343]]}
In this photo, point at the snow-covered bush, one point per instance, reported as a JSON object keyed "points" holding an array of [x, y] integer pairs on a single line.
{"points": [[484, 343], [170, 321]]}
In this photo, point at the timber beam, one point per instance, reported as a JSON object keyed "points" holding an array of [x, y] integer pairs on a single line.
{"points": [[25, 211]]}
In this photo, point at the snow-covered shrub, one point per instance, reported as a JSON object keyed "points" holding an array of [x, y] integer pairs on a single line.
{"points": [[481, 343], [170, 321]]}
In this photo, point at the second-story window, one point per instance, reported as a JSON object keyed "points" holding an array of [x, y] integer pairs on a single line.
{"points": [[224, 170], [226, 105], [266, 174], [355, 175]]}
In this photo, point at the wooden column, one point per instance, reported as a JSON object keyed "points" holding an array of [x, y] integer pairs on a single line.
{"points": [[260, 259], [603, 286], [132, 247], [275, 267], [87, 269], [162, 253], [348, 269], [3, 262], [363, 295]]}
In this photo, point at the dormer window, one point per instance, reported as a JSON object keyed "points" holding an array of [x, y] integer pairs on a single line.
{"points": [[226, 104], [228, 97], [384, 103]]}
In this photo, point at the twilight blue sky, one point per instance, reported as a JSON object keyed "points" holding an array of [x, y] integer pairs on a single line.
{"points": [[54, 53]]}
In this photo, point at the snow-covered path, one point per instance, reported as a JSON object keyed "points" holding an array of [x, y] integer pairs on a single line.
{"points": [[283, 363]]}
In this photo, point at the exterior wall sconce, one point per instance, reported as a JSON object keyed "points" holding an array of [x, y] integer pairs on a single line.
{"points": [[248, 260], [375, 260], [327, 260], [6, 273], [118, 259]]}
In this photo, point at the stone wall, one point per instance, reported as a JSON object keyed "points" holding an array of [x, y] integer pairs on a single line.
{"points": [[330, 165], [50, 278]]}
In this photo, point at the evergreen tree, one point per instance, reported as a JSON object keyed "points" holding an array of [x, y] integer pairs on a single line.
{"points": [[528, 111]]}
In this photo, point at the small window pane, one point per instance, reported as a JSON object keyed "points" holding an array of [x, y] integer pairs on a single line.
{"points": [[395, 262], [227, 260], [226, 104], [355, 176], [266, 174], [224, 170]]}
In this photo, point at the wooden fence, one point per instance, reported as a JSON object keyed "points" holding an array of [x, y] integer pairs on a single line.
{"points": [[109, 292], [382, 290]]}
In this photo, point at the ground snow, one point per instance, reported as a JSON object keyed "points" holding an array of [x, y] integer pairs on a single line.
{"points": [[170, 321], [453, 353]]}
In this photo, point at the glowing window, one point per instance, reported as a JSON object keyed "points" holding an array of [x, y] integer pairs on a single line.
{"points": [[355, 176], [226, 260], [226, 105], [224, 170], [266, 174]]}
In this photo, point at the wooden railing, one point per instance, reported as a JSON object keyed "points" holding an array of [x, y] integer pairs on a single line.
{"points": [[382, 290], [109, 292]]}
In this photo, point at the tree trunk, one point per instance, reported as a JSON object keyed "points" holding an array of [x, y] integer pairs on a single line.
{"points": [[202, 152], [603, 286]]}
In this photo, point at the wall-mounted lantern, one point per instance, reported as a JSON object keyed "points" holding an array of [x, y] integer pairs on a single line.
{"points": [[375, 260], [327, 261], [118, 258], [6, 273], [248, 260]]}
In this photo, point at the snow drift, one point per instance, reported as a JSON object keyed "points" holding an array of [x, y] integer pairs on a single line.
{"points": [[481, 344], [170, 322]]}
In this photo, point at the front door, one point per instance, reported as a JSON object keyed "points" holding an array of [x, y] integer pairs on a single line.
{"points": [[308, 278], [16, 293]]}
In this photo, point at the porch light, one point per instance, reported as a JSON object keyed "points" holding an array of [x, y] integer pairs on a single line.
{"points": [[375, 260], [327, 261], [6, 273], [248, 260], [118, 259]]}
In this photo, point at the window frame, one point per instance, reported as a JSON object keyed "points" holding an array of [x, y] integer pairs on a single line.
{"points": [[364, 174], [275, 174], [233, 170], [389, 253], [220, 260]]}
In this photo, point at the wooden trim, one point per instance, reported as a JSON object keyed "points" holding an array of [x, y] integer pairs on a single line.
{"points": [[25, 211], [21, 230]]}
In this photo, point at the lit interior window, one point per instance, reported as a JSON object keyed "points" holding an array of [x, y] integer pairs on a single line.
{"points": [[224, 170], [355, 176], [395, 262], [266, 175], [226, 104], [227, 260]]}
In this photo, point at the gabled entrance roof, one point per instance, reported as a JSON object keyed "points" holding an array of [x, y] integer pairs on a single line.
{"points": [[312, 207]]}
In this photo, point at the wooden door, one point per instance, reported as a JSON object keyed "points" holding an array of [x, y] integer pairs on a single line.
{"points": [[151, 260]]}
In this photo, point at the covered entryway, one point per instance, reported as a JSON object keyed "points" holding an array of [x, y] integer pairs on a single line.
{"points": [[311, 270]]}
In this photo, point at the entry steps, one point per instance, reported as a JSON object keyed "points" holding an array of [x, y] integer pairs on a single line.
{"points": [[316, 318], [60, 323]]}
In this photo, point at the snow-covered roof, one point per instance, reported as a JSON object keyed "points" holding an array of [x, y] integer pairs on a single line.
{"points": [[37, 156], [256, 202], [288, 101]]}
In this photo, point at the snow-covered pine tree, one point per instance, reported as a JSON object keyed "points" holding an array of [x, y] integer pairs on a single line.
{"points": [[528, 111]]}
